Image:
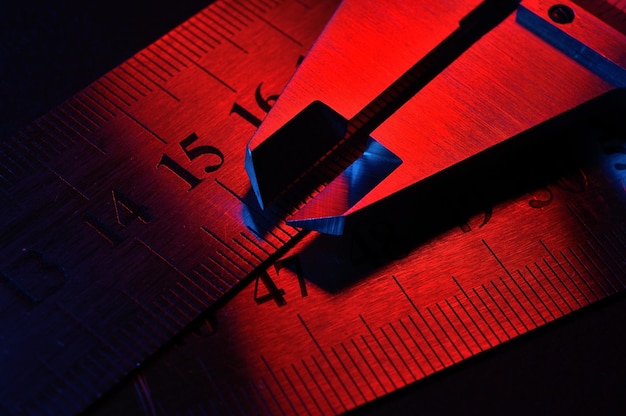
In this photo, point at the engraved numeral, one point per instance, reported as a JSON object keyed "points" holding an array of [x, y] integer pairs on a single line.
{"points": [[265, 104], [192, 154], [126, 210], [35, 277]]}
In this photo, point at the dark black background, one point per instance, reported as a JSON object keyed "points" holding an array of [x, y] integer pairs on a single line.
{"points": [[49, 50]]}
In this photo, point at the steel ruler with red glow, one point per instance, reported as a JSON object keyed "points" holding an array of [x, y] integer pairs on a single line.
{"points": [[126, 213]]}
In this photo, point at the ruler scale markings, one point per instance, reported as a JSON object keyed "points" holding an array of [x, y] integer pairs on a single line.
{"points": [[473, 320], [170, 41], [430, 329], [238, 11], [519, 302], [110, 91], [20, 152], [273, 396], [185, 309], [116, 74], [130, 116], [211, 284], [136, 59], [70, 111], [206, 14], [270, 24], [419, 348], [226, 20], [488, 309], [223, 36], [58, 130], [319, 348], [551, 283], [463, 324], [278, 226], [402, 360], [559, 311], [295, 390], [378, 363], [235, 277], [589, 231], [129, 74], [306, 387], [186, 300], [280, 387], [565, 272], [328, 382], [567, 289], [158, 65], [8, 160], [259, 8], [319, 388], [499, 308], [47, 142], [214, 386], [359, 371], [211, 296], [97, 103], [58, 379], [226, 245], [91, 120], [87, 329], [71, 119], [193, 42], [369, 366], [237, 265], [230, 16], [79, 135], [202, 304], [582, 278], [118, 87], [55, 139], [447, 335], [191, 22], [137, 338], [617, 252], [168, 312], [240, 244], [347, 371], [150, 313], [255, 244], [616, 266], [337, 377], [29, 142], [408, 350], [509, 306], [8, 156], [602, 256], [597, 268], [100, 103], [254, 388], [461, 333], [571, 278], [161, 56]]}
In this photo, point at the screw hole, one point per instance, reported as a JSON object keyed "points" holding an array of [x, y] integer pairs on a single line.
{"points": [[562, 14]]}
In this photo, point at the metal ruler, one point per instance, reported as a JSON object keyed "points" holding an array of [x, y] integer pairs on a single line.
{"points": [[334, 324], [125, 211]]}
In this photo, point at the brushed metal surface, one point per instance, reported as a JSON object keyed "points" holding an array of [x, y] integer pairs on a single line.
{"points": [[123, 210], [258, 357], [509, 81]]}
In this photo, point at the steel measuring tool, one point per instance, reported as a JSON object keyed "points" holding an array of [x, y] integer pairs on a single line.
{"points": [[94, 192], [332, 371], [339, 343]]}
